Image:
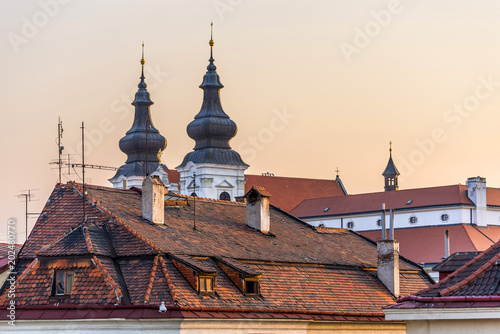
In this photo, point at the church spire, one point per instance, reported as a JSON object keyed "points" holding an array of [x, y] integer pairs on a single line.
{"points": [[143, 140], [391, 173], [212, 129]]}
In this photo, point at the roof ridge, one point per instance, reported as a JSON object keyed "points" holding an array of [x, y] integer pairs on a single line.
{"points": [[116, 288], [471, 277], [88, 241], [151, 280], [47, 246], [32, 265], [171, 287], [462, 268], [110, 214], [383, 192]]}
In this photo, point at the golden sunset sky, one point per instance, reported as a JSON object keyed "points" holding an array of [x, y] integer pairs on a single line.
{"points": [[312, 85]]}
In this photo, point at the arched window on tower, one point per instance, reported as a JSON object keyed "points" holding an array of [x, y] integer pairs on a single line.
{"points": [[224, 196]]}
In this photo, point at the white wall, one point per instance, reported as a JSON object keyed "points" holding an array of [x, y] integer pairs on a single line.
{"points": [[425, 217], [483, 326], [212, 180]]}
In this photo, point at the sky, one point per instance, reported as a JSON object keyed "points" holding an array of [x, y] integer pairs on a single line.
{"points": [[312, 86]]}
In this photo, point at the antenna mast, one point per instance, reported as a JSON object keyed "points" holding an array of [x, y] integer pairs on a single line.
{"points": [[27, 198], [83, 169], [61, 148], [194, 201]]}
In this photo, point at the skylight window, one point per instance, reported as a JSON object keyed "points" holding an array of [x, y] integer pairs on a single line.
{"points": [[409, 202], [326, 209]]}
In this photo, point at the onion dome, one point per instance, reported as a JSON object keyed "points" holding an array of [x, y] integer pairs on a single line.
{"points": [[212, 129], [143, 141]]}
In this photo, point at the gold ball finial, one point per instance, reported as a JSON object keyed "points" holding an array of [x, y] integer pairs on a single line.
{"points": [[390, 146], [211, 43], [143, 61]]}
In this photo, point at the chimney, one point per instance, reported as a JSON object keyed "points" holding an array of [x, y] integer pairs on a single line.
{"points": [[258, 209], [446, 243], [476, 191], [388, 261], [153, 199]]}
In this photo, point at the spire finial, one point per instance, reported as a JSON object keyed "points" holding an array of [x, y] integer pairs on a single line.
{"points": [[390, 146], [337, 171], [142, 61], [211, 43]]}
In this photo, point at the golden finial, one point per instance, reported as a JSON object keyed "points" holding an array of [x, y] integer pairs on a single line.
{"points": [[390, 146], [142, 60], [159, 156], [211, 43]]}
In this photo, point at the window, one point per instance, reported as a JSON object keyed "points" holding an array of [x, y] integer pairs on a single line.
{"points": [[206, 284], [350, 224], [444, 217], [413, 220], [379, 222], [224, 196], [326, 209], [63, 282], [409, 202], [251, 287]]}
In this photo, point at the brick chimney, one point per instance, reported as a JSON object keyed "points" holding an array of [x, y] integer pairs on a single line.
{"points": [[388, 260], [258, 209], [153, 199], [476, 191]]}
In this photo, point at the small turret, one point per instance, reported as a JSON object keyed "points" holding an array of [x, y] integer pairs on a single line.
{"points": [[391, 173]]}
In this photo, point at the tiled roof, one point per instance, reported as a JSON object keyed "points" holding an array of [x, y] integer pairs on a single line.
{"points": [[288, 192], [122, 259], [463, 238], [474, 284], [372, 202], [454, 261]]}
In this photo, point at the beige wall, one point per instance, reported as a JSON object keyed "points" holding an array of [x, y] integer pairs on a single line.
{"points": [[192, 326]]}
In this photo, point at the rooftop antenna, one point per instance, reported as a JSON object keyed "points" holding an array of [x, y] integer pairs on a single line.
{"points": [[27, 198], [194, 201], [83, 170], [61, 148]]}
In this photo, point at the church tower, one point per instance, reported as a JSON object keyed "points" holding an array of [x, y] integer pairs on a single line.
{"points": [[213, 169], [391, 173], [142, 144]]}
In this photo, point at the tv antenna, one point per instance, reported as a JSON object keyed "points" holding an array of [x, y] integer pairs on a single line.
{"points": [[194, 201], [83, 169], [27, 195]]}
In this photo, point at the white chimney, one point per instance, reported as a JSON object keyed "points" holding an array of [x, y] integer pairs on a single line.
{"points": [[258, 209], [388, 264], [476, 191], [153, 199]]}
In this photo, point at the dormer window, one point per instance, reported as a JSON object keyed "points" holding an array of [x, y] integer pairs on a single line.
{"points": [[252, 287], [63, 282], [206, 284]]}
